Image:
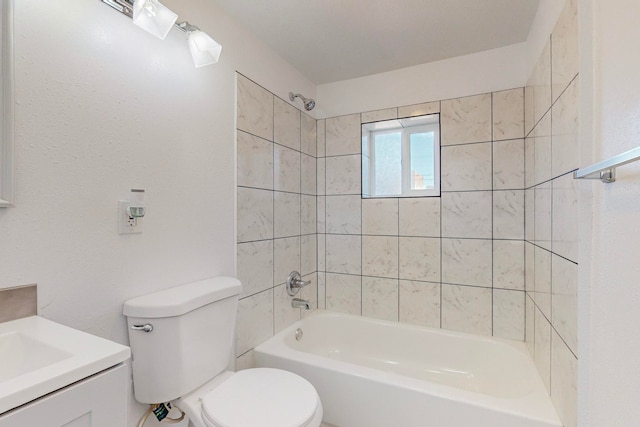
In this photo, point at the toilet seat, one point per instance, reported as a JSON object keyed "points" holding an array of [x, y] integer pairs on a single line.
{"points": [[262, 397]]}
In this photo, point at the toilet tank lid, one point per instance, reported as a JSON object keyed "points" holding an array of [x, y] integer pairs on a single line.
{"points": [[182, 299]]}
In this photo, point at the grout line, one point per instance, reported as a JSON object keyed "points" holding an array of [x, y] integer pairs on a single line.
{"points": [[273, 204], [493, 326], [324, 133]]}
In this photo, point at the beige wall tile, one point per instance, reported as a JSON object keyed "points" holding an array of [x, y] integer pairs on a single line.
{"points": [[343, 254], [286, 124], [309, 222], [540, 85], [286, 169], [542, 281], [255, 214], [255, 109], [419, 259], [309, 136], [508, 264], [508, 214], [380, 256], [343, 135], [379, 115], [286, 258], [255, 266], [344, 293], [508, 314], [380, 298], [419, 109], [343, 175], [255, 161], [466, 167], [283, 313], [321, 144], [245, 361], [467, 214], [508, 114], [508, 165], [254, 323], [565, 212], [466, 309], [530, 325], [564, 381], [542, 347], [465, 261], [564, 300], [344, 214], [308, 175], [465, 120], [308, 254], [310, 293], [322, 290], [420, 217], [542, 215], [420, 303], [564, 40], [380, 216], [286, 214], [542, 151], [564, 131]]}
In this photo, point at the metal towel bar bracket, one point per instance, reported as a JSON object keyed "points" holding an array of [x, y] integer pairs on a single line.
{"points": [[605, 170]]}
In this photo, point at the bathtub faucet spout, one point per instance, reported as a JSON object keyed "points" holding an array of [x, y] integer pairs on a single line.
{"points": [[295, 283], [300, 303]]}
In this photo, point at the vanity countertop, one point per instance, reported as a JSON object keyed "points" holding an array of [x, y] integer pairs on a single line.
{"points": [[39, 356]]}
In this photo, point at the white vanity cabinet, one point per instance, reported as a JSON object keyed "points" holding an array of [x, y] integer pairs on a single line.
{"points": [[97, 401], [55, 376]]}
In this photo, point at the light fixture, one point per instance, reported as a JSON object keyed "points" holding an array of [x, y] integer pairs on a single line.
{"points": [[152, 16], [204, 49], [157, 19]]}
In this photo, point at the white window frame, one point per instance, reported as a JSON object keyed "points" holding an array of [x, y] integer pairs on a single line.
{"points": [[406, 130]]}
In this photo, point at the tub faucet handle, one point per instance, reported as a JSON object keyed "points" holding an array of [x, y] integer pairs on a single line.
{"points": [[295, 283]]}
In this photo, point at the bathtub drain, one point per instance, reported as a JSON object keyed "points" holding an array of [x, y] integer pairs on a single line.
{"points": [[299, 334]]}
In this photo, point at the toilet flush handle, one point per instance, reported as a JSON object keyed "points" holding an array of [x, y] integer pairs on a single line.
{"points": [[147, 327]]}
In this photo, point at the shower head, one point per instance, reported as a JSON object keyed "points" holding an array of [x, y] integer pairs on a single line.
{"points": [[309, 104]]}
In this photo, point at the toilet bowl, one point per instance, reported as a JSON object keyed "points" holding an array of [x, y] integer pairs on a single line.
{"points": [[260, 397], [181, 341]]}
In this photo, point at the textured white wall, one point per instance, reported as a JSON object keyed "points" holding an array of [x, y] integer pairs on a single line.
{"points": [[103, 107], [609, 372], [489, 71]]}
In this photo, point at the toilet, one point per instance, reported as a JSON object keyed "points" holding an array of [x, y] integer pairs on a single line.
{"points": [[182, 345]]}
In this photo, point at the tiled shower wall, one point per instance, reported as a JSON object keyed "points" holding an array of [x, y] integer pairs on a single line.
{"points": [[455, 261], [502, 236], [276, 212], [551, 213]]}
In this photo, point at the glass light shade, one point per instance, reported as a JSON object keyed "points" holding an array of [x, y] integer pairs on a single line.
{"points": [[153, 17], [204, 49]]}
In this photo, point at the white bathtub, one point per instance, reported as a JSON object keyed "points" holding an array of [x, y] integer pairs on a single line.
{"points": [[372, 373]]}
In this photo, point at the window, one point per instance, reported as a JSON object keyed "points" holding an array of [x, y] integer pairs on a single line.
{"points": [[401, 158]]}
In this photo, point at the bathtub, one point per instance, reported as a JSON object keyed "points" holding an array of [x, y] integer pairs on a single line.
{"points": [[373, 373]]}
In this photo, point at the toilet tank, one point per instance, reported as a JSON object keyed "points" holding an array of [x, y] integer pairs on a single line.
{"points": [[191, 341]]}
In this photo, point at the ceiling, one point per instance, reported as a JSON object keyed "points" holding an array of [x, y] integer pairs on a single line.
{"points": [[333, 40]]}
